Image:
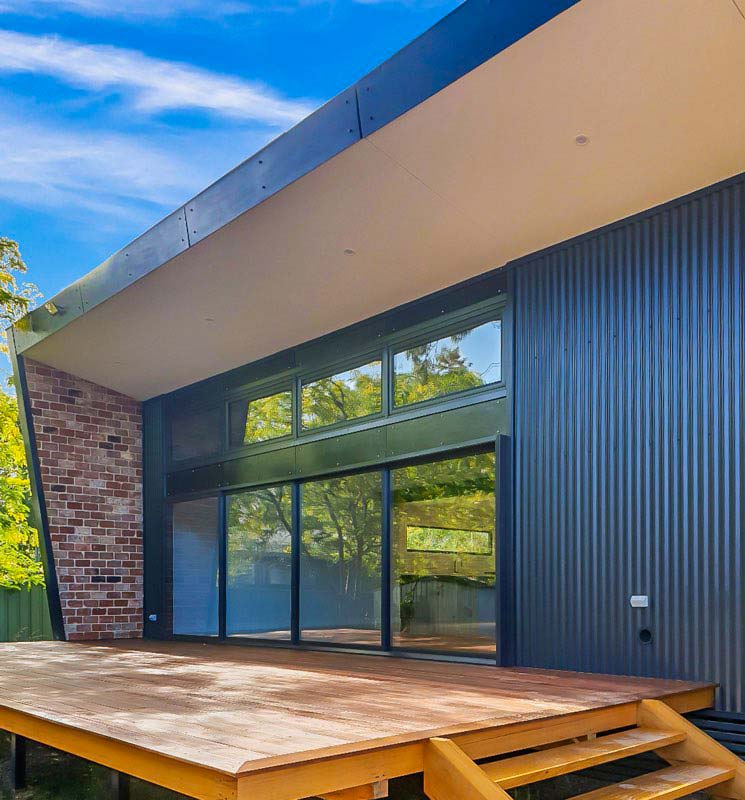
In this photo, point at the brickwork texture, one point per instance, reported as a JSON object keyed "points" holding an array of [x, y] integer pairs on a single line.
{"points": [[89, 442]]}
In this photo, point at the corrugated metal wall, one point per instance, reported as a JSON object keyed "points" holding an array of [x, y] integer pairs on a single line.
{"points": [[629, 446], [24, 615]]}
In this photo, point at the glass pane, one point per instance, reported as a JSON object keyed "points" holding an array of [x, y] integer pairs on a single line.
{"points": [[462, 361], [340, 560], [260, 419], [346, 395], [443, 572], [195, 434], [195, 567], [259, 563]]}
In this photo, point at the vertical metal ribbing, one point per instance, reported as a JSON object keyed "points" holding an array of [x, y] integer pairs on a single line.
{"points": [[628, 434], [154, 526], [505, 554]]}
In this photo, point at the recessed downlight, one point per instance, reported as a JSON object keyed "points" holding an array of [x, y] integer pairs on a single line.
{"points": [[582, 139], [349, 252]]}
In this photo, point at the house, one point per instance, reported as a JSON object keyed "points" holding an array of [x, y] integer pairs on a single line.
{"points": [[450, 371]]}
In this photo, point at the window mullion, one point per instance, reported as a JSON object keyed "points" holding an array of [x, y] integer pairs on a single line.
{"points": [[295, 566], [385, 572]]}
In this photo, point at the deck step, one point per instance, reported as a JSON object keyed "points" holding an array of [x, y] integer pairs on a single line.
{"points": [[665, 784], [543, 764]]}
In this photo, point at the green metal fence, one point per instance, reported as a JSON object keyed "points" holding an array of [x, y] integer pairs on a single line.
{"points": [[24, 615]]}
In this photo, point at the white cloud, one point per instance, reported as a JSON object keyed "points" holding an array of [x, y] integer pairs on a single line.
{"points": [[68, 170], [127, 9], [153, 85], [165, 9]]}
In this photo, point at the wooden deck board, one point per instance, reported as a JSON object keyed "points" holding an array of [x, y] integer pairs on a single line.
{"points": [[239, 710]]}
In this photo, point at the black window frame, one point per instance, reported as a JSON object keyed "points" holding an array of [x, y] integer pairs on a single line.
{"points": [[259, 391], [386, 647], [462, 419], [343, 365], [437, 332], [304, 369]]}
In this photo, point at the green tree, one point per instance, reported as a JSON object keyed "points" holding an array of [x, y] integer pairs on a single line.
{"points": [[16, 296], [19, 541]]}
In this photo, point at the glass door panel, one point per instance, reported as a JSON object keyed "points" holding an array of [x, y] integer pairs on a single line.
{"points": [[340, 560], [259, 563], [195, 567], [443, 592]]}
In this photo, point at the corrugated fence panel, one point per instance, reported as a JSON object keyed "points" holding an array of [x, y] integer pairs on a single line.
{"points": [[24, 615], [629, 446]]}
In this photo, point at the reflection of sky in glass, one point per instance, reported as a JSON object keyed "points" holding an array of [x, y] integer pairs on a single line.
{"points": [[481, 349]]}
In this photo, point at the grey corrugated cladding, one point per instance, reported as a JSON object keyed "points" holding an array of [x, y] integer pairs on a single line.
{"points": [[629, 446]]}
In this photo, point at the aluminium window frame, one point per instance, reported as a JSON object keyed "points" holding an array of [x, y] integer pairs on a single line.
{"points": [[258, 391], [356, 361], [423, 336], [386, 646], [495, 308]]}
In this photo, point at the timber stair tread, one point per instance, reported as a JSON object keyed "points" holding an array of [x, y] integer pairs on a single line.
{"points": [[665, 784], [697, 763], [563, 759]]}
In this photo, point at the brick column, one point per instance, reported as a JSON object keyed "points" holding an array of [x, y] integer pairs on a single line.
{"points": [[89, 442]]}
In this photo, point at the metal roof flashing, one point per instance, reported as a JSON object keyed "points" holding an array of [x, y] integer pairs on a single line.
{"points": [[473, 33]]}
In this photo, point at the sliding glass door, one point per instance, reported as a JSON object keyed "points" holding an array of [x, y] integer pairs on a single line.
{"points": [[402, 558], [341, 560], [195, 560], [259, 563], [443, 578]]}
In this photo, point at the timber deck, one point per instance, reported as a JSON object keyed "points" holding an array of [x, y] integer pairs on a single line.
{"points": [[218, 721]]}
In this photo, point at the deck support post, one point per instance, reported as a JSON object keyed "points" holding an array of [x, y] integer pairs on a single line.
{"points": [[119, 786], [17, 762]]}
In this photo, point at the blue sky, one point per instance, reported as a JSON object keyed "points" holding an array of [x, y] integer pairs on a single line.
{"points": [[113, 112]]}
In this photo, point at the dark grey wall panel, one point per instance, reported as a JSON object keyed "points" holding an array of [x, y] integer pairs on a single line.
{"points": [[629, 446], [153, 460]]}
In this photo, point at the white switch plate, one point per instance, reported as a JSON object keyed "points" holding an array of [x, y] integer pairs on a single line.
{"points": [[639, 601]]}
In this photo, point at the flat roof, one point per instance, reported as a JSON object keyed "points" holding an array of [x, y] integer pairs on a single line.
{"points": [[455, 156]]}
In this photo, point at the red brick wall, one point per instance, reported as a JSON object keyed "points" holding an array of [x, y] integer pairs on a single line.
{"points": [[89, 441]]}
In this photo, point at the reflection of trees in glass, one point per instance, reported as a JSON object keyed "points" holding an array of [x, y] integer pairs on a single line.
{"points": [[447, 540], [259, 525], [341, 524], [346, 395], [259, 563], [452, 364], [455, 494], [265, 417]]}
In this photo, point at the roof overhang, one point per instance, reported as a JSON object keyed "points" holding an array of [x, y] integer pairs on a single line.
{"points": [[454, 157]]}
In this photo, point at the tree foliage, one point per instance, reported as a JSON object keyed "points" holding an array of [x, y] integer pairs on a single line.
{"points": [[19, 541], [16, 297]]}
